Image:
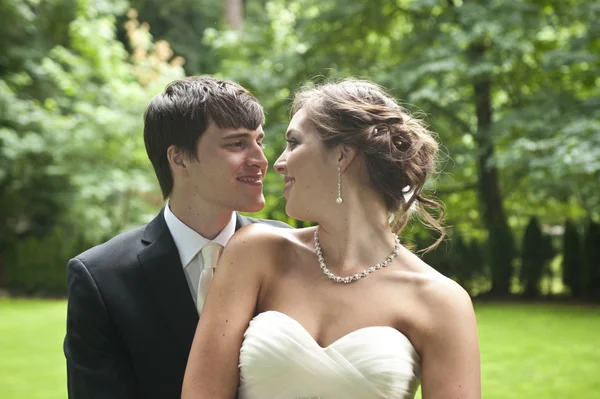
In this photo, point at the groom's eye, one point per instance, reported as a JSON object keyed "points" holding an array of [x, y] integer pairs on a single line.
{"points": [[236, 144]]}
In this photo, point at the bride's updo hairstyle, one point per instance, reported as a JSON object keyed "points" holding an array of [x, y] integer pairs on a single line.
{"points": [[399, 151]]}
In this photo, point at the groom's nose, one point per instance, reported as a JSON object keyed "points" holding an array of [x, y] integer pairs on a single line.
{"points": [[257, 157]]}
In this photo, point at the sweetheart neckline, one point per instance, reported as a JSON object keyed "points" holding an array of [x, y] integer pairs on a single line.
{"points": [[324, 348]]}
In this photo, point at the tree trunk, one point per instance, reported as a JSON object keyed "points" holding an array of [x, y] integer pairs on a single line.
{"points": [[234, 14], [501, 242]]}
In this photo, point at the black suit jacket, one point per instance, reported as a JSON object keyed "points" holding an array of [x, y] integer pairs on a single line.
{"points": [[131, 318]]}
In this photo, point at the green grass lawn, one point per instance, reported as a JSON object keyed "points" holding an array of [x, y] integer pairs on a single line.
{"points": [[32, 364], [527, 351], [544, 351]]}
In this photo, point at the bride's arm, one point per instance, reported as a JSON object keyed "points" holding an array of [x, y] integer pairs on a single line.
{"points": [[212, 368], [450, 353]]}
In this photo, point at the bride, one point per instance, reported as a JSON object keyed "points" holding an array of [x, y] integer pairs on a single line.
{"points": [[342, 310]]}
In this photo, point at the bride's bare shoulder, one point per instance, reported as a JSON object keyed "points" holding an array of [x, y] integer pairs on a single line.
{"points": [[437, 295], [267, 240], [444, 302], [431, 283]]}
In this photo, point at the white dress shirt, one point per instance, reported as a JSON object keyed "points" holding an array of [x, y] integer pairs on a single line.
{"points": [[189, 244]]}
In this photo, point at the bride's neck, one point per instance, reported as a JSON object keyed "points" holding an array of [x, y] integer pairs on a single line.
{"points": [[358, 238]]}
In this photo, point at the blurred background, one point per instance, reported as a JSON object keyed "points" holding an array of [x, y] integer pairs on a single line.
{"points": [[512, 88]]}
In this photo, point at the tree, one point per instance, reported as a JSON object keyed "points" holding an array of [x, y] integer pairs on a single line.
{"points": [[182, 23], [572, 265], [533, 258], [591, 260], [234, 13], [480, 69], [89, 126], [71, 151]]}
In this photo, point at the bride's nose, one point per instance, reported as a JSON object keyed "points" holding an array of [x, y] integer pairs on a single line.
{"points": [[279, 165]]}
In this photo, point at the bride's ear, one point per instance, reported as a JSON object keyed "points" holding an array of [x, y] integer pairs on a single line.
{"points": [[346, 156]]}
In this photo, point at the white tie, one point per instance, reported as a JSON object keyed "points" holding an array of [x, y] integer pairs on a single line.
{"points": [[210, 257]]}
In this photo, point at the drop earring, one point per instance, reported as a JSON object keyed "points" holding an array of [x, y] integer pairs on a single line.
{"points": [[339, 199]]}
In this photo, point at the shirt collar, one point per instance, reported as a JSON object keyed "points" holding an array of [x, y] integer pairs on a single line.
{"points": [[188, 241]]}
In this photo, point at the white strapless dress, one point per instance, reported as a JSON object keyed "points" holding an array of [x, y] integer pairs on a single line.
{"points": [[279, 359]]}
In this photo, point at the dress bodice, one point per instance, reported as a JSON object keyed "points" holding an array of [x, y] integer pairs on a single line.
{"points": [[279, 359]]}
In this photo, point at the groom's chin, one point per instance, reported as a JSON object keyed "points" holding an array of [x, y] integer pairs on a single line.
{"points": [[255, 206]]}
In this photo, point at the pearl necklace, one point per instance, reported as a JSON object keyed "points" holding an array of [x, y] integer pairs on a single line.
{"points": [[356, 276]]}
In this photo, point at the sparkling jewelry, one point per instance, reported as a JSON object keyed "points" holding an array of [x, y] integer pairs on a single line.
{"points": [[339, 199], [356, 276]]}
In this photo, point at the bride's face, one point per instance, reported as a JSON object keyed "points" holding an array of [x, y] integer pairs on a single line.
{"points": [[309, 170]]}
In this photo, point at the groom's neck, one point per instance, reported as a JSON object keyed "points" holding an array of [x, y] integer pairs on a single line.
{"points": [[204, 219]]}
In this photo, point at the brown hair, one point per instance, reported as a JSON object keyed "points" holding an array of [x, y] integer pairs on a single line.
{"points": [[181, 114], [399, 151]]}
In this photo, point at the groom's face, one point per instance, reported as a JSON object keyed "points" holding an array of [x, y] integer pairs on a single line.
{"points": [[230, 167]]}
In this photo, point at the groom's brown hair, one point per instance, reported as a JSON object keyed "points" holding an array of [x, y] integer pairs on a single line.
{"points": [[180, 115]]}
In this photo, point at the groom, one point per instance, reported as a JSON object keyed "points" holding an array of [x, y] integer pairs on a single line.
{"points": [[134, 300]]}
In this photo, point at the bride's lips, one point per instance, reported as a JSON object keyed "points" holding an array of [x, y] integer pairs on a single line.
{"points": [[289, 182]]}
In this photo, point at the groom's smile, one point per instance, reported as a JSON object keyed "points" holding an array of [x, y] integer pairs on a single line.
{"points": [[230, 168]]}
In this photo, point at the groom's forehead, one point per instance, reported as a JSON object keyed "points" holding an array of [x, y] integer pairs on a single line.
{"points": [[229, 133]]}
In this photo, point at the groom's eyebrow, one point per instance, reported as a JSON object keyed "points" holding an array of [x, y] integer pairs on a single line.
{"points": [[241, 135]]}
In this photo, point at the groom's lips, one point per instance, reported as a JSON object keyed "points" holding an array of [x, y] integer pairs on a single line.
{"points": [[253, 180]]}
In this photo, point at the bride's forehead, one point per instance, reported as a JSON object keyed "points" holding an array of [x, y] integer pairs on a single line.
{"points": [[301, 122], [298, 118]]}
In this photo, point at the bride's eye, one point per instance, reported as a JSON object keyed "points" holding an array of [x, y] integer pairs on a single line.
{"points": [[292, 142]]}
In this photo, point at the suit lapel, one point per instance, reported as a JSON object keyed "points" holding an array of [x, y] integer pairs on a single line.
{"points": [[241, 221], [163, 270]]}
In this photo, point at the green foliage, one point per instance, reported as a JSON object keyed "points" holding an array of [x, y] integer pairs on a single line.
{"points": [[71, 146], [38, 265], [182, 24], [87, 131], [539, 61], [511, 87], [29, 29]]}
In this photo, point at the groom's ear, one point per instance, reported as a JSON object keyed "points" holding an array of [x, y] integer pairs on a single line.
{"points": [[177, 159]]}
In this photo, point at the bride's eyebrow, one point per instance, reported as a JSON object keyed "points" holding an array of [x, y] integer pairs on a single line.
{"points": [[287, 134]]}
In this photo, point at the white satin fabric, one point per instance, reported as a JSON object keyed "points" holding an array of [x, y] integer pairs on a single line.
{"points": [[279, 359]]}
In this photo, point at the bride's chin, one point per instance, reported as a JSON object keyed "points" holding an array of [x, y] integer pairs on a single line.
{"points": [[294, 213], [291, 211]]}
